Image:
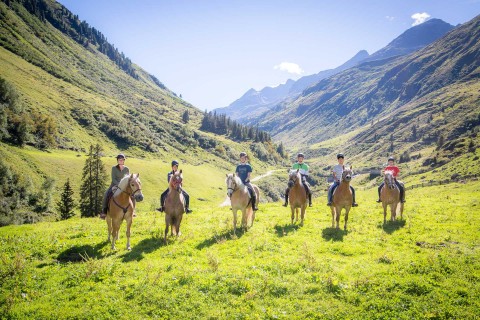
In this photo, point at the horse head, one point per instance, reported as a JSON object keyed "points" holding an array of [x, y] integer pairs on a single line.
{"points": [[293, 177], [389, 180], [136, 186], [176, 181], [231, 182], [347, 174]]}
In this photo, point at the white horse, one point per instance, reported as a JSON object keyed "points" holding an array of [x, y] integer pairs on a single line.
{"points": [[241, 200]]}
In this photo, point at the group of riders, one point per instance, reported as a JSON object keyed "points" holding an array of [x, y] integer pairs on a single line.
{"points": [[243, 171]]}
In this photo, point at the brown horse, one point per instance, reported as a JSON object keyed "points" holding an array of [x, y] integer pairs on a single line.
{"points": [[297, 195], [174, 205], [390, 196], [240, 200], [342, 198], [121, 206]]}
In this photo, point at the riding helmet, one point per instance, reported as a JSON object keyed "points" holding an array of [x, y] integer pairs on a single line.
{"points": [[243, 154], [174, 163], [340, 155], [300, 155], [121, 156], [391, 159]]}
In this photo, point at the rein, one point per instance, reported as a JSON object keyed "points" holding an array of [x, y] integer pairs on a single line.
{"points": [[131, 195]]}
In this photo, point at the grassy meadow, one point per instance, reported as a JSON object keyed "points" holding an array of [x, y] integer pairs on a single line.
{"points": [[426, 266]]}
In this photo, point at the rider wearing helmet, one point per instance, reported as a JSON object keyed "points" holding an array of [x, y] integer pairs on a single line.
{"points": [[395, 170], [118, 172], [243, 171], [337, 172], [165, 193], [303, 169]]}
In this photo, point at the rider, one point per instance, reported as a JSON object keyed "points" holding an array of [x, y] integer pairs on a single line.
{"points": [[164, 194], [303, 167], [395, 170], [337, 176], [118, 172], [243, 171]]}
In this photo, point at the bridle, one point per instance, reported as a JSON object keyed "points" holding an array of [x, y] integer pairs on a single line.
{"points": [[389, 180], [233, 183], [130, 194], [177, 183]]}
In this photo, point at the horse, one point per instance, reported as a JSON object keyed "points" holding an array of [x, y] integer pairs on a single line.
{"points": [[297, 194], [342, 198], [390, 196], [121, 206], [174, 205], [241, 200]]}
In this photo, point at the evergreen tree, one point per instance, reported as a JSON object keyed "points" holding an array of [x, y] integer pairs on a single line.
{"points": [[93, 184], [186, 116], [66, 204]]}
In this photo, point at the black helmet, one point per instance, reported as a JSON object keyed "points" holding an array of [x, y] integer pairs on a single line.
{"points": [[174, 163], [243, 154], [300, 155], [121, 156], [340, 155], [391, 159]]}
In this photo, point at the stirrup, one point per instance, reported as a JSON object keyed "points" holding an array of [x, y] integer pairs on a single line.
{"points": [[329, 204], [354, 204], [103, 216], [378, 201], [403, 201], [187, 211], [285, 204], [309, 204]]}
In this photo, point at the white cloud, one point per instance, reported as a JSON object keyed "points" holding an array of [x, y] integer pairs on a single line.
{"points": [[389, 18], [419, 18], [290, 67]]}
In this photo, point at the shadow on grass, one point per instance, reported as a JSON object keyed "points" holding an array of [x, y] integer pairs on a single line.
{"points": [[144, 246], [221, 238], [334, 234], [392, 226], [83, 252], [284, 230]]}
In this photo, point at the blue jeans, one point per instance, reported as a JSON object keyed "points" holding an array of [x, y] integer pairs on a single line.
{"points": [[334, 186]]}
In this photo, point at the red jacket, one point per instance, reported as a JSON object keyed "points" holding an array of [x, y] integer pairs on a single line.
{"points": [[394, 169]]}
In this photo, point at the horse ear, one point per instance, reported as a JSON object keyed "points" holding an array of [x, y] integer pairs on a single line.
{"points": [[226, 175], [180, 170], [234, 174], [298, 170], [350, 167]]}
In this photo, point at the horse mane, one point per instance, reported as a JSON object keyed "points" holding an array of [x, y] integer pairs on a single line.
{"points": [[177, 173], [236, 178], [124, 182], [389, 172]]}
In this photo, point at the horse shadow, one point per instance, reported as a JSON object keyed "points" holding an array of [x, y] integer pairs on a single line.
{"points": [[333, 234], [83, 253], [145, 246], [392, 226], [284, 230], [221, 238]]}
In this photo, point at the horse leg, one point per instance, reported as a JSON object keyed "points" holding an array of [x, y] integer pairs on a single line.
{"points": [[234, 220], [393, 211], [401, 210], [109, 226], [115, 229], [296, 214], [384, 212], [177, 225], [129, 224], [167, 220], [332, 209], [338, 211], [302, 215], [293, 211], [347, 210], [244, 218]]}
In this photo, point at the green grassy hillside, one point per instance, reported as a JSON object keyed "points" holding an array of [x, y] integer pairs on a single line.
{"points": [[426, 266]]}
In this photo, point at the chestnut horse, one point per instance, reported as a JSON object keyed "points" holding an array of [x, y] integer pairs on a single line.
{"points": [[174, 205], [390, 196], [121, 206], [297, 195], [342, 198], [241, 200]]}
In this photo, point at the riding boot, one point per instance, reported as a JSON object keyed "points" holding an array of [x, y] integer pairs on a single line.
{"points": [[354, 204], [379, 191], [103, 214], [254, 201], [286, 200], [187, 202], [309, 199]]}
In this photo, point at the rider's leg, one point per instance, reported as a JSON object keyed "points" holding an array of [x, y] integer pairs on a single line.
{"points": [[332, 188], [103, 214], [354, 204], [187, 201], [402, 190], [253, 195], [379, 190], [162, 200], [309, 191]]}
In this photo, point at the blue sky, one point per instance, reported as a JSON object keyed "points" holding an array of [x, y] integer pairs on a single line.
{"points": [[213, 51]]}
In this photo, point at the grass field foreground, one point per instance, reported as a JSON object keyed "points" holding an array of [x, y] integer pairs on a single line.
{"points": [[426, 266]]}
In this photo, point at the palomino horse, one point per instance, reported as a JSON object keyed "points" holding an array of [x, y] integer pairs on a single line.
{"points": [[390, 196], [174, 205], [342, 198], [122, 207], [297, 194], [240, 200]]}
